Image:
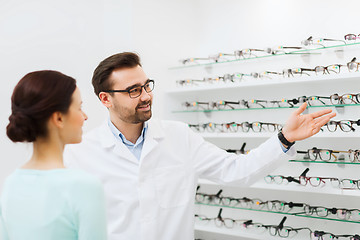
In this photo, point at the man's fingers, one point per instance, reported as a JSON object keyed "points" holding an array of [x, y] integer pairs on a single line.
{"points": [[301, 109], [321, 121], [321, 113]]}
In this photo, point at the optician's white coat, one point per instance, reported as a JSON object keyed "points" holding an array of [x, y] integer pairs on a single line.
{"points": [[154, 199]]}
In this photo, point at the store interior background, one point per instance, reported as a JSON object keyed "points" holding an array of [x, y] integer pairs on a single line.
{"points": [[74, 36]]}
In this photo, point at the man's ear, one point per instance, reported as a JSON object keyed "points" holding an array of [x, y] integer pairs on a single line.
{"points": [[57, 118], [105, 99]]}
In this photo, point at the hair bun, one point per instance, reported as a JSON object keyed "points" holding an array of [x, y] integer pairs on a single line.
{"points": [[20, 128]]}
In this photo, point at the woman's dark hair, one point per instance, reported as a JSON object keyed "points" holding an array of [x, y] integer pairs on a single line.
{"points": [[100, 80], [35, 98]]}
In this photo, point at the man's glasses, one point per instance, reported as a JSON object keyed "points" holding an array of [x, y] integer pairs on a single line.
{"points": [[135, 92]]}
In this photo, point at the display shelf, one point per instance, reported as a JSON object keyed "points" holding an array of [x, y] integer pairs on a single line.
{"points": [[297, 52], [315, 161], [244, 233], [266, 108], [266, 82], [234, 232], [282, 213], [241, 135], [292, 187]]}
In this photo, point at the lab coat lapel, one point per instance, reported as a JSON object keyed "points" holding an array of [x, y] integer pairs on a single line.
{"points": [[108, 140], [153, 136]]}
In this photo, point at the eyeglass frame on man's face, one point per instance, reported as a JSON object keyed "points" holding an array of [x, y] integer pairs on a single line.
{"points": [[136, 87]]}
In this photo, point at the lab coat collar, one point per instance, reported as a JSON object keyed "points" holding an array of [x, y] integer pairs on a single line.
{"points": [[107, 138]]}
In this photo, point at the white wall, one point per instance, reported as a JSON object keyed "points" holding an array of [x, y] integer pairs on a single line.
{"points": [[69, 36]]}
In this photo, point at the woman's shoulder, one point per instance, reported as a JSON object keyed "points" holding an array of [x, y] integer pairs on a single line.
{"points": [[80, 179]]}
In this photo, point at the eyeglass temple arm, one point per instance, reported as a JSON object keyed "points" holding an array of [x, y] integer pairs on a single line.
{"points": [[219, 214], [281, 225], [218, 193], [242, 149], [292, 204], [304, 172], [335, 40]]}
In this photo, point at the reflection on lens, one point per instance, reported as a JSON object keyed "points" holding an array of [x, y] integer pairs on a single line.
{"points": [[271, 127], [342, 214], [314, 181], [352, 66], [332, 125], [321, 211], [268, 179], [333, 68], [245, 126], [319, 69], [355, 215], [348, 183], [256, 126], [347, 99], [335, 182], [325, 155], [303, 180], [334, 99], [278, 179], [346, 126]]}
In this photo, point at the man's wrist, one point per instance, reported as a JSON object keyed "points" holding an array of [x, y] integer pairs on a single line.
{"points": [[285, 142]]}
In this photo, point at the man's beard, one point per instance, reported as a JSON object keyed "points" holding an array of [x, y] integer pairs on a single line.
{"points": [[137, 117]]}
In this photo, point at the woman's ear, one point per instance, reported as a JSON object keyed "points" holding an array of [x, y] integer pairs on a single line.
{"points": [[57, 118], [105, 99]]}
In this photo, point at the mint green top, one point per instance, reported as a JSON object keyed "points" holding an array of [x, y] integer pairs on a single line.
{"points": [[58, 204]]}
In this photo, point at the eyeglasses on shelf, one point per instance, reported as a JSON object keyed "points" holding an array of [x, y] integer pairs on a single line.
{"points": [[344, 125], [319, 41]]}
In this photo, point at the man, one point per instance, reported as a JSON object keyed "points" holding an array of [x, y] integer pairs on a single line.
{"points": [[150, 168]]}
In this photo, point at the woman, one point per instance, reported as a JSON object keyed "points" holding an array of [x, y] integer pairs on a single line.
{"points": [[43, 200]]}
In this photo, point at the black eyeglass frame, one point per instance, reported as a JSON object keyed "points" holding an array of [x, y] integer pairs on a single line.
{"points": [[136, 87]]}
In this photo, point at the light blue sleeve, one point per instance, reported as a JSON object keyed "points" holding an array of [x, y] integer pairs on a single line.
{"points": [[3, 232], [89, 209]]}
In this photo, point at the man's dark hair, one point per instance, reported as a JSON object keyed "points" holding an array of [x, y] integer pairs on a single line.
{"points": [[100, 80]]}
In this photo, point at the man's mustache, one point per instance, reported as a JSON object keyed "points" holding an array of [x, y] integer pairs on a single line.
{"points": [[143, 104]]}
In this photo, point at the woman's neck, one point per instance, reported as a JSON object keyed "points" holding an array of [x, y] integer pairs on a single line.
{"points": [[47, 154]]}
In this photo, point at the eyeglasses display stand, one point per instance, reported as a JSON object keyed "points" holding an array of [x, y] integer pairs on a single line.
{"points": [[276, 87]]}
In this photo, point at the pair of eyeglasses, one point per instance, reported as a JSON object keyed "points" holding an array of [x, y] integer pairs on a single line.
{"points": [[341, 213], [280, 179], [281, 49], [351, 37], [319, 41], [219, 220], [274, 230], [136, 91], [348, 98], [315, 181], [344, 125], [346, 183], [280, 206], [193, 60], [321, 235], [208, 198], [290, 72], [246, 53], [322, 154]]}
